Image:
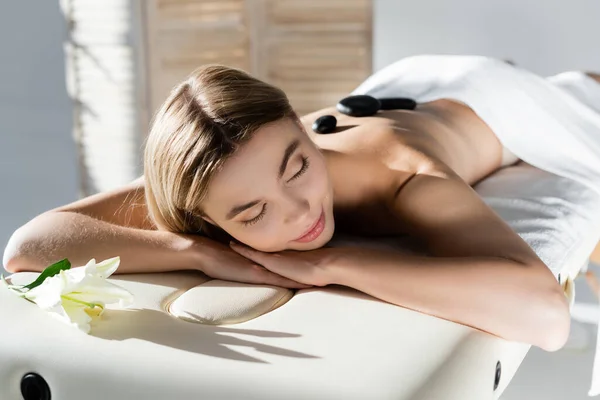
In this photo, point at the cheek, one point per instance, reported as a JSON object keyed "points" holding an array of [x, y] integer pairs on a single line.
{"points": [[318, 182], [265, 236]]}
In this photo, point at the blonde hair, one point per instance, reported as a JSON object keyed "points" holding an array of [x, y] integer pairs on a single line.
{"points": [[200, 125]]}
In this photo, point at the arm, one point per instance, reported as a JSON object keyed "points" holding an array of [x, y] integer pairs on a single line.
{"points": [[99, 226], [481, 273], [116, 223]]}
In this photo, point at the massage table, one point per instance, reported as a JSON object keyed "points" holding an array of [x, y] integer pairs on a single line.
{"points": [[188, 336]]}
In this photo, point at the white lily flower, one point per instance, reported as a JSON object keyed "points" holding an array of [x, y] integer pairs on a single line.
{"points": [[75, 295]]}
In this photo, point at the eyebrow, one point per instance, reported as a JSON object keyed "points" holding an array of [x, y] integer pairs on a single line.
{"points": [[238, 209], [286, 156], [282, 167]]}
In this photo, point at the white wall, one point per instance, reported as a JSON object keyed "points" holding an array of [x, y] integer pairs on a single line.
{"points": [[37, 154], [546, 36]]}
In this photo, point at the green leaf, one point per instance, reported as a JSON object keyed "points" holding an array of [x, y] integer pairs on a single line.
{"points": [[48, 272]]}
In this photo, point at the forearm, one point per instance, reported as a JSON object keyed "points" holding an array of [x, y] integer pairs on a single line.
{"points": [[492, 294], [56, 235]]}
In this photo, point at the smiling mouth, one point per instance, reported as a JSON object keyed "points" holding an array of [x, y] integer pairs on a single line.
{"points": [[315, 230]]}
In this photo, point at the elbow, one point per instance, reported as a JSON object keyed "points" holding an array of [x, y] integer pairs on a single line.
{"points": [[553, 321], [15, 254], [9, 263], [34, 245]]}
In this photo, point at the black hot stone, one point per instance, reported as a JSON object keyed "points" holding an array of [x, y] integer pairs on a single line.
{"points": [[361, 105], [324, 124], [398, 103]]}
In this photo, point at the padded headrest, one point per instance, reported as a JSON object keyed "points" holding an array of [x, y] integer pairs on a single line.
{"points": [[194, 297]]}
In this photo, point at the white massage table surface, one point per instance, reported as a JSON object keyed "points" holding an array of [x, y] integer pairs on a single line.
{"points": [[329, 343]]}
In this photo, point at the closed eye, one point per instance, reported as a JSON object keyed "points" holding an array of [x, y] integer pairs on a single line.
{"points": [[257, 218], [301, 171], [303, 168]]}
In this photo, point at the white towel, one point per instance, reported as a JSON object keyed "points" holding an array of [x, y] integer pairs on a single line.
{"points": [[538, 119], [551, 123]]}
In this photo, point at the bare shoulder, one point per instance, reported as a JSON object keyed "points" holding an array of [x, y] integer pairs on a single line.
{"points": [[371, 160], [453, 220], [124, 206], [360, 185], [378, 158]]}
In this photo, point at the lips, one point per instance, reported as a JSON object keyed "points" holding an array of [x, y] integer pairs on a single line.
{"points": [[314, 231]]}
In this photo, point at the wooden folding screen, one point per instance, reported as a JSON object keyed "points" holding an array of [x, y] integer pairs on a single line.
{"points": [[315, 50], [124, 56]]}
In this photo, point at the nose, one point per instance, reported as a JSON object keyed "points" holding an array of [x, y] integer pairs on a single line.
{"points": [[296, 207]]}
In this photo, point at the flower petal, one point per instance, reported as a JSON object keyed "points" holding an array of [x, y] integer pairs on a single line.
{"points": [[90, 264], [77, 315], [47, 295], [101, 291], [72, 278], [107, 267]]}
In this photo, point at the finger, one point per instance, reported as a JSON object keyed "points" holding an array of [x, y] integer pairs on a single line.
{"points": [[249, 253], [268, 263], [277, 280], [271, 278]]}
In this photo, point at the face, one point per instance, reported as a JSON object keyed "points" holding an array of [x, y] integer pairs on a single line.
{"points": [[274, 193]]}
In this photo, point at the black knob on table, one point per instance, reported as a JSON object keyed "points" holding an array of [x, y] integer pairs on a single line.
{"points": [[324, 124], [498, 375], [34, 387]]}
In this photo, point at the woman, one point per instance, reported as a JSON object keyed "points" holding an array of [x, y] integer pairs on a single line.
{"points": [[227, 157]]}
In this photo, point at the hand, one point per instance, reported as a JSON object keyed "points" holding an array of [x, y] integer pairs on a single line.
{"points": [[220, 262], [308, 267]]}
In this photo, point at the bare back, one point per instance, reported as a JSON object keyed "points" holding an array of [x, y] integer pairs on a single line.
{"points": [[443, 137], [444, 133]]}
